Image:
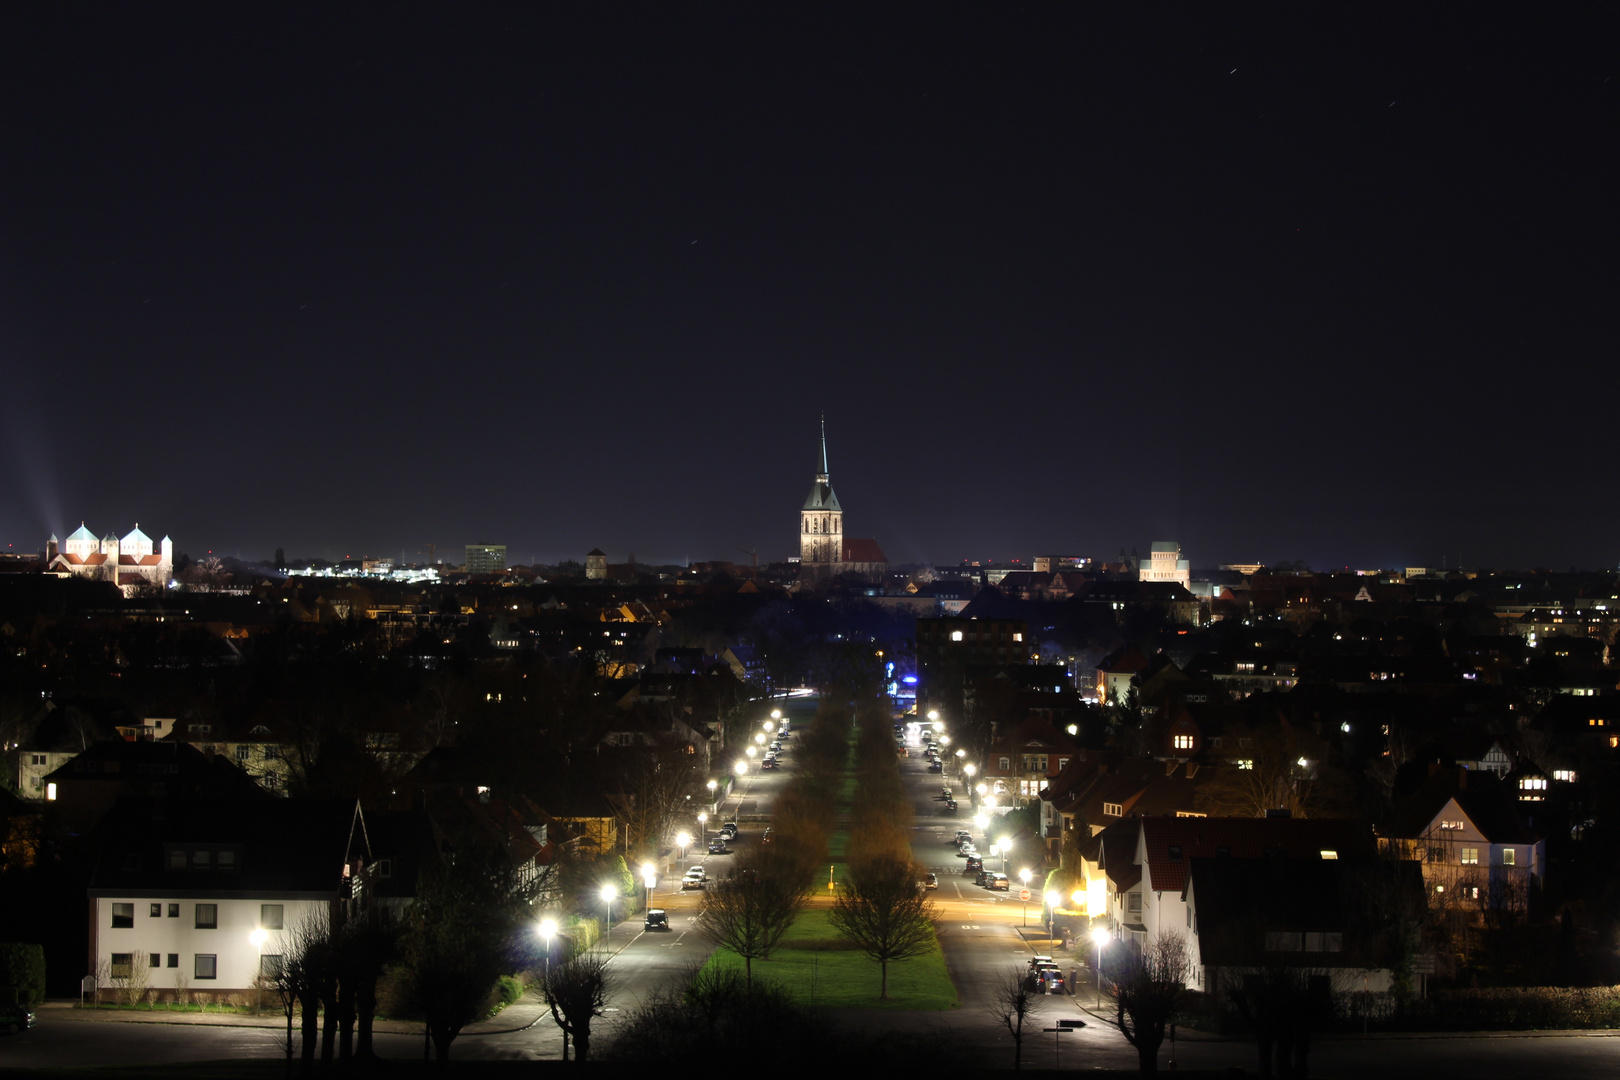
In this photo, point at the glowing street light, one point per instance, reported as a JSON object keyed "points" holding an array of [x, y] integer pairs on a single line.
{"points": [[548, 930], [750, 752], [769, 726], [703, 824], [933, 714], [683, 840], [649, 878], [742, 768], [776, 714], [982, 821], [760, 739], [1052, 899], [1004, 846], [712, 785]]}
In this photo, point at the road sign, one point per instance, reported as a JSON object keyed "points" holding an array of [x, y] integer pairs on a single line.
{"points": [[1023, 894]]}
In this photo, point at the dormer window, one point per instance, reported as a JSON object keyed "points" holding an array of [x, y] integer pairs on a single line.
{"points": [[1113, 809]]}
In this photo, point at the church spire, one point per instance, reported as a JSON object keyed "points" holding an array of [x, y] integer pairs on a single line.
{"points": [[824, 471]]}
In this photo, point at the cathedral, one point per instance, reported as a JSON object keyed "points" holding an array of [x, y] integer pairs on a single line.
{"points": [[130, 563], [824, 552]]}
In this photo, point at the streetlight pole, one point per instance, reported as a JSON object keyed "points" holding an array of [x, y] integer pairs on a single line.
{"points": [[609, 894], [1052, 899], [1099, 937], [1023, 876], [258, 937], [649, 876], [703, 824]]}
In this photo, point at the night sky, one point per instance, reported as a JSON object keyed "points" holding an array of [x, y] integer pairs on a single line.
{"points": [[1331, 282]]}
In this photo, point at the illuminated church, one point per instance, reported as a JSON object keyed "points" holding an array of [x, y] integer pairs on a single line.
{"points": [[129, 563], [824, 551]]}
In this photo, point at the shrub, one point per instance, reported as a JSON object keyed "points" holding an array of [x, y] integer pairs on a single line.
{"points": [[511, 989], [22, 971]]}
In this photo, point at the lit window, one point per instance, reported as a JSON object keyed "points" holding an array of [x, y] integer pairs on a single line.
{"points": [[1470, 856], [956, 635], [1566, 775], [1509, 856], [50, 792], [1018, 637], [1113, 809], [122, 962], [1184, 742], [207, 916], [1134, 904], [1329, 854]]}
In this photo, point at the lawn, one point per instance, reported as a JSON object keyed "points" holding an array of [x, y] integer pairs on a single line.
{"points": [[818, 967]]}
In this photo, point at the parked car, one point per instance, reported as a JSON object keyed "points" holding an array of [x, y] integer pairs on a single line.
{"points": [[1050, 976], [931, 881], [974, 863], [717, 846], [936, 767], [702, 873], [963, 836], [950, 806], [982, 878], [657, 919], [690, 882], [15, 1018], [732, 825], [998, 883], [768, 763]]}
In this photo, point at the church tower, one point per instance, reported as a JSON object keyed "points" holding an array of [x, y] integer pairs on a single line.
{"points": [[821, 523]]}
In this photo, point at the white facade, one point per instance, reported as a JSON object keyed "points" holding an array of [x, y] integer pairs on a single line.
{"points": [[129, 562], [184, 947], [1166, 564]]}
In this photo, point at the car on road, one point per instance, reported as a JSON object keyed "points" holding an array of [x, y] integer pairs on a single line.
{"points": [[718, 847], [768, 763], [1037, 961], [931, 881], [950, 806], [963, 836], [1050, 976], [982, 877], [702, 874], [691, 882], [998, 883], [776, 747], [15, 1018], [974, 863], [657, 919], [936, 767]]}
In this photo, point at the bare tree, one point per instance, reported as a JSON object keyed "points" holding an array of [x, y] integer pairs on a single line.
{"points": [[750, 912], [577, 992], [1284, 1005], [1148, 987], [884, 913], [1285, 769], [1011, 1000], [132, 978]]}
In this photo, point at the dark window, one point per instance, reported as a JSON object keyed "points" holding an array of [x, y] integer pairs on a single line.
{"points": [[177, 860], [270, 966], [123, 916], [174, 959], [270, 916], [154, 960], [207, 916], [157, 911], [122, 963], [174, 911], [205, 966]]}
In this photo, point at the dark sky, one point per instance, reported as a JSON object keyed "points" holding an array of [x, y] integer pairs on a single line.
{"points": [[1332, 282]]}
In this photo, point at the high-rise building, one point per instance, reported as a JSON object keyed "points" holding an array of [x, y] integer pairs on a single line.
{"points": [[486, 558]]}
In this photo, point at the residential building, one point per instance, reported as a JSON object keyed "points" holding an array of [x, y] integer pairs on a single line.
{"points": [[181, 890]]}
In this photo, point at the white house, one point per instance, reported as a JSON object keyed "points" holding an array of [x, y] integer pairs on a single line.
{"points": [[182, 889]]}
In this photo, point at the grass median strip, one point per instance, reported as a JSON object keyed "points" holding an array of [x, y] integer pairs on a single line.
{"points": [[817, 966]]}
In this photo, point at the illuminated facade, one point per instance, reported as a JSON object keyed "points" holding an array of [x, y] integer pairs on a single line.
{"points": [[823, 549], [1166, 564], [129, 562]]}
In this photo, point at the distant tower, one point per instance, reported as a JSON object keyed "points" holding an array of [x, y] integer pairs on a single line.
{"points": [[821, 523], [596, 565]]}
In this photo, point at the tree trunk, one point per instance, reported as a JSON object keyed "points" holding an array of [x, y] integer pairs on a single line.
{"points": [[748, 972], [366, 1014], [1147, 1061], [582, 1044], [309, 1031], [1264, 1040], [884, 964]]}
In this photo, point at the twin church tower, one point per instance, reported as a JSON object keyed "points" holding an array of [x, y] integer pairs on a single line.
{"points": [[824, 552]]}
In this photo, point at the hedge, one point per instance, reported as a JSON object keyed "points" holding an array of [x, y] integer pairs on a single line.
{"points": [[22, 972]]}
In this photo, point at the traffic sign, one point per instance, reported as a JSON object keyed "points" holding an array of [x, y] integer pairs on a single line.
{"points": [[1023, 894]]}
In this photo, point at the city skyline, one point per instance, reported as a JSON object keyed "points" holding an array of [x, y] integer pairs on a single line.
{"points": [[1326, 286]]}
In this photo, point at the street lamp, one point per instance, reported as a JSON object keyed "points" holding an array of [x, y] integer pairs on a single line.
{"points": [[1099, 937], [548, 930], [703, 823], [1024, 876], [683, 840], [742, 770], [258, 938], [769, 726], [1003, 845], [760, 738], [933, 714], [712, 785], [649, 878], [776, 714], [609, 894], [982, 821], [750, 752]]}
